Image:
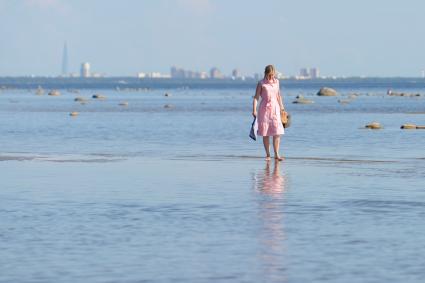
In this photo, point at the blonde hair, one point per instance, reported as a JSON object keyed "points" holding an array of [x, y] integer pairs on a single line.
{"points": [[268, 70]]}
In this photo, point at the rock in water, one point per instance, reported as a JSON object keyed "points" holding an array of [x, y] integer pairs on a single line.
{"points": [[302, 100], [80, 99], [373, 126], [344, 101], [54, 93], [408, 127], [73, 114], [98, 96], [39, 91], [326, 91]]}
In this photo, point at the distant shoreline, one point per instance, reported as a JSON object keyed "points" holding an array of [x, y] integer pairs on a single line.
{"points": [[123, 83]]}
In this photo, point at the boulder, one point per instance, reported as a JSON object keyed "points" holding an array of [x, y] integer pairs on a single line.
{"points": [[392, 93], [344, 101], [374, 126], [98, 96], [302, 100], [54, 93], [39, 91], [326, 91], [79, 99], [408, 127]]}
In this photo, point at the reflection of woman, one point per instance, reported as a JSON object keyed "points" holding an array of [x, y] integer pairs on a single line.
{"points": [[269, 122], [271, 183]]}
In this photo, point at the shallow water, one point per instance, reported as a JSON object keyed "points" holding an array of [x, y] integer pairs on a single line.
{"points": [[148, 194]]}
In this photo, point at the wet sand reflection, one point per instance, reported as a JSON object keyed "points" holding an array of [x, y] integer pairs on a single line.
{"points": [[270, 185]]}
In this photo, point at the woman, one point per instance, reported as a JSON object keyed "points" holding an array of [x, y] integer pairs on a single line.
{"points": [[269, 122]]}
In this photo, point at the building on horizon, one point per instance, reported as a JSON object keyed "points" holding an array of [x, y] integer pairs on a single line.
{"points": [[236, 74], [280, 75], [215, 73], [314, 73], [152, 75], [177, 73], [85, 70], [304, 73], [180, 73], [308, 73], [65, 60]]}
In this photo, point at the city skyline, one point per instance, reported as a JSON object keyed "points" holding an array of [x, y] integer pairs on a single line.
{"points": [[150, 36]]}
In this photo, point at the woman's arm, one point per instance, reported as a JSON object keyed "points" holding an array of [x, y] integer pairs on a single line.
{"points": [[255, 101]]}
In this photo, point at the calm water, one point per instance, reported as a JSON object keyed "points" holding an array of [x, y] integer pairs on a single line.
{"points": [[148, 194]]}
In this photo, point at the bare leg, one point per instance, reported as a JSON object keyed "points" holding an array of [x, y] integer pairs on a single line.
{"points": [[266, 142], [276, 145]]}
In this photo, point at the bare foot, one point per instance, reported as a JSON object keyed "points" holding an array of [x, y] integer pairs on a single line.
{"points": [[268, 158], [279, 158]]}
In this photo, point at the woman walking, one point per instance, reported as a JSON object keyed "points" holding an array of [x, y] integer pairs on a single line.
{"points": [[269, 122]]}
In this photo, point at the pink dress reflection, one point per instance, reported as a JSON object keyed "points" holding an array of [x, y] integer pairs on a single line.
{"points": [[271, 236], [270, 183]]}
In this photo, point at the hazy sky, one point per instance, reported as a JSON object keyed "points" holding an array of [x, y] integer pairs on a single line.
{"points": [[123, 37]]}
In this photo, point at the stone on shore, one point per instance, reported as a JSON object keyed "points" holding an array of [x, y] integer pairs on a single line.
{"points": [[326, 91], [73, 114], [168, 106], [123, 103]]}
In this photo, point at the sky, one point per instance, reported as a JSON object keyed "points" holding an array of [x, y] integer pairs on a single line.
{"points": [[124, 37]]}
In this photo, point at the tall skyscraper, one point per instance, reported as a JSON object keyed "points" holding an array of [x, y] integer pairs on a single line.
{"points": [[65, 60], [85, 70]]}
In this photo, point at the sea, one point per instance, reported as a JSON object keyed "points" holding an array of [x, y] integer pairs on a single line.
{"points": [[163, 184]]}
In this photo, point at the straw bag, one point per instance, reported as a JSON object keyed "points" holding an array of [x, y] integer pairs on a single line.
{"points": [[285, 118]]}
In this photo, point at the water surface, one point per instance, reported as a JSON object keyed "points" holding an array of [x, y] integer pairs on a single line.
{"points": [[149, 194]]}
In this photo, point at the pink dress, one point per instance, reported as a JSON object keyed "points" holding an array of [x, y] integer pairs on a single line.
{"points": [[269, 122]]}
